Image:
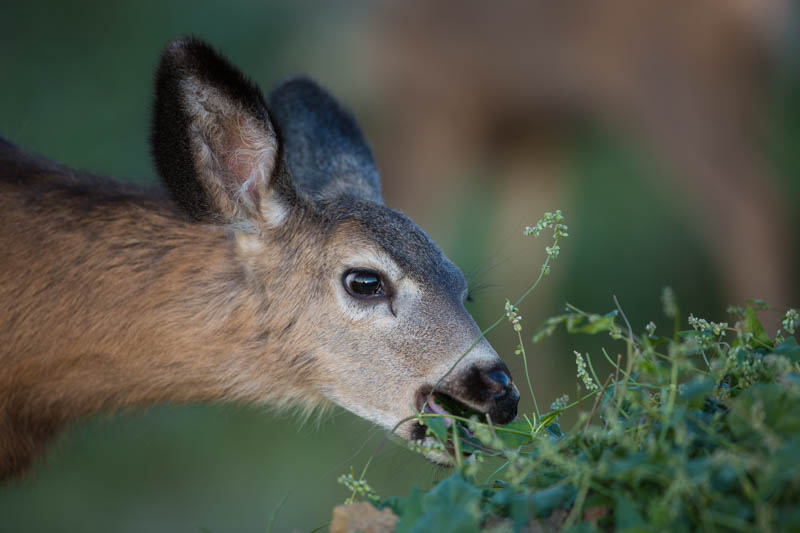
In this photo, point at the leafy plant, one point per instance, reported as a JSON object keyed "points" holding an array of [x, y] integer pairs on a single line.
{"points": [[698, 430]]}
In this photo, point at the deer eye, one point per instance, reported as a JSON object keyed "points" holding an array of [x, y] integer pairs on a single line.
{"points": [[364, 284]]}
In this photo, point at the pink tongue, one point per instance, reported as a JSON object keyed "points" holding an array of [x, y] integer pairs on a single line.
{"points": [[436, 408]]}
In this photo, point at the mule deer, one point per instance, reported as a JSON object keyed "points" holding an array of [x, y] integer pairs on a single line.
{"points": [[269, 271]]}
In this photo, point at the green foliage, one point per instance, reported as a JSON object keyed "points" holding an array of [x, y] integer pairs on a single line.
{"points": [[696, 431], [452, 505], [695, 434]]}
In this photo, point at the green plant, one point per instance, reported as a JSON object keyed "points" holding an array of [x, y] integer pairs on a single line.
{"points": [[698, 430]]}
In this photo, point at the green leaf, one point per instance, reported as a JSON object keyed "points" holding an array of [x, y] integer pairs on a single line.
{"points": [[438, 427], [412, 511], [507, 502], [724, 479], [543, 502], [753, 326], [770, 405], [654, 342], [555, 430], [789, 349], [627, 517], [513, 440], [452, 506], [695, 392], [596, 324], [633, 467], [395, 503], [773, 481], [549, 418], [468, 444], [549, 327]]}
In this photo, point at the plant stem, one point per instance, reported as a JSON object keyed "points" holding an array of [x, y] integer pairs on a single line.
{"points": [[502, 467], [457, 447], [527, 374], [673, 391], [598, 400]]}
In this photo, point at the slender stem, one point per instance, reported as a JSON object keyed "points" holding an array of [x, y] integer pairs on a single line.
{"points": [[527, 374], [275, 512], [673, 391], [577, 507], [457, 447], [676, 326], [576, 402], [625, 318], [628, 370], [352, 497], [502, 467], [705, 359], [598, 400], [366, 466]]}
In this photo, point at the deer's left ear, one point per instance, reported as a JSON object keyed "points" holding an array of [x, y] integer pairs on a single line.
{"points": [[213, 141]]}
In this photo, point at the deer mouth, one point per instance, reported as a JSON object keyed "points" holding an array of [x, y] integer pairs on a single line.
{"points": [[437, 402], [450, 408]]}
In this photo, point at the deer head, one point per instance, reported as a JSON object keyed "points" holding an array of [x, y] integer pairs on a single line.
{"points": [[366, 311]]}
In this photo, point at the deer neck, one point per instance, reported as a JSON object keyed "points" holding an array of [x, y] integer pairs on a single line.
{"points": [[143, 321]]}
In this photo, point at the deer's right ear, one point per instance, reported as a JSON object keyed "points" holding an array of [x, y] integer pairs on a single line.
{"points": [[213, 142]]}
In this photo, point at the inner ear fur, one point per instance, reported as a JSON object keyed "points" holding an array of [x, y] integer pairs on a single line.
{"points": [[213, 141]]}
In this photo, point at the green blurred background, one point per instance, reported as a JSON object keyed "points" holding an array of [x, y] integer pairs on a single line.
{"points": [[673, 154]]}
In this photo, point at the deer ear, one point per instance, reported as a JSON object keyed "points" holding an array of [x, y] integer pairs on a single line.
{"points": [[212, 139], [324, 149]]}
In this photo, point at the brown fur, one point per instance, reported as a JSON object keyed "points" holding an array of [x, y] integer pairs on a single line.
{"points": [[118, 312]]}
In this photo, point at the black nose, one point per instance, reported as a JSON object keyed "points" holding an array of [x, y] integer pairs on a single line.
{"points": [[498, 380], [503, 396]]}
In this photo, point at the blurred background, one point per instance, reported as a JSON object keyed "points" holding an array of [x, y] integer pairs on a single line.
{"points": [[668, 134]]}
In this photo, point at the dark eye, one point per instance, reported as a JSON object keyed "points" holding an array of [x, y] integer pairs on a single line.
{"points": [[364, 284]]}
